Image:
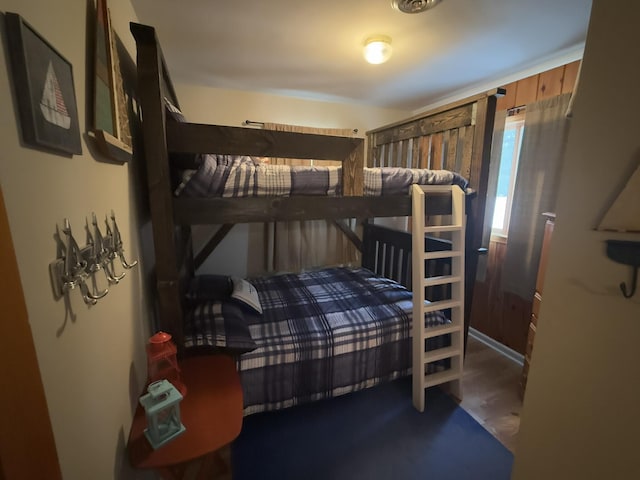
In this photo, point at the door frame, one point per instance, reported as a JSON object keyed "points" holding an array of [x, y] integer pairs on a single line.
{"points": [[27, 444]]}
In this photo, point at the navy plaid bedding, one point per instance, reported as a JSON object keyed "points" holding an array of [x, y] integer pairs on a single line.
{"points": [[243, 176], [324, 333]]}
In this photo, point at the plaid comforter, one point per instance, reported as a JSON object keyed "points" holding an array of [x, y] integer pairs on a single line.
{"points": [[242, 176], [325, 333]]}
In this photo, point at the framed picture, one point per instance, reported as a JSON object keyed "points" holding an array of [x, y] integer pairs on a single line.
{"points": [[45, 94], [110, 130]]}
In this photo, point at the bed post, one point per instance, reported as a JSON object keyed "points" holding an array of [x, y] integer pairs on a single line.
{"points": [[353, 172], [478, 176], [151, 89]]}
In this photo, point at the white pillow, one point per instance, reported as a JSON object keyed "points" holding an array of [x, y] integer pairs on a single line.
{"points": [[246, 293]]}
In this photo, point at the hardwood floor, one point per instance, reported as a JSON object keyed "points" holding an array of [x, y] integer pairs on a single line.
{"points": [[490, 391]]}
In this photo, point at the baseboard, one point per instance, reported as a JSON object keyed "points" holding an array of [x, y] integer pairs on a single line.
{"points": [[497, 346]]}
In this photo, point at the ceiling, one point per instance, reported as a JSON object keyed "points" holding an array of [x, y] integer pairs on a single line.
{"points": [[314, 49]]}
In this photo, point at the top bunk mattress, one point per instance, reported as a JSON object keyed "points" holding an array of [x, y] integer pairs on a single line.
{"points": [[244, 176]]}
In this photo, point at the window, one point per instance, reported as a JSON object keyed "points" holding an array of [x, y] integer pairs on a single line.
{"points": [[511, 144]]}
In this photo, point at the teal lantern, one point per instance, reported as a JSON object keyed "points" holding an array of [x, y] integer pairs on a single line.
{"points": [[161, 404]]}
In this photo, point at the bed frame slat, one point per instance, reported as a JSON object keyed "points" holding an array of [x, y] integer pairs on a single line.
{"points": [[437, 150], [387, 252], [452, 150]]}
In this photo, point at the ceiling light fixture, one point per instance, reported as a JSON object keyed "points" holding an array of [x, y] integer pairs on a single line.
{"points": [[414, 6], [377, 49]]}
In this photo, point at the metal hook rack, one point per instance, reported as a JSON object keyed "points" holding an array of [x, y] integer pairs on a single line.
{"points": [[78, 267]]}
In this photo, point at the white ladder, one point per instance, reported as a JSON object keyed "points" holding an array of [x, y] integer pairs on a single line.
{"points": [[420, 333]]}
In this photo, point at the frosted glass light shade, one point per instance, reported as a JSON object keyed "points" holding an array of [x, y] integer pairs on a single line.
{"points": [[377, 49]]}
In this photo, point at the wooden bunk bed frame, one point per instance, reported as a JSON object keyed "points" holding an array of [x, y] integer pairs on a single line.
{"points": [[456, 137]]}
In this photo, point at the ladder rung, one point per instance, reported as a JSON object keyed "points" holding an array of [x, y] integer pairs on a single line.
{"points": [[441, 377], [436, 189], [430, 332], [440, 280], [442, 254], [441, 305], [441, 353], [442, 228]]}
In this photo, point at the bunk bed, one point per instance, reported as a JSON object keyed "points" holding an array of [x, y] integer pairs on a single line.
{"points": [[455, 138]]}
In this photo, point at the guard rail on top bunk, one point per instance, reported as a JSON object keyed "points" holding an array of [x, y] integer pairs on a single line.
{"points": [[455, 137]]}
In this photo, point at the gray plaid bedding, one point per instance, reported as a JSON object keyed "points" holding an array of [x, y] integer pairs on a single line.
{"points": [[242, 176], [324, 333]]}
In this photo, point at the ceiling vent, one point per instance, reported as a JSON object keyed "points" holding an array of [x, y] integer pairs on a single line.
{"points": [[414, 6]]}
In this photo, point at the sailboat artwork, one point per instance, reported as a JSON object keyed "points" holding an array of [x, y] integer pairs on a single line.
{"points": [[44, 90], [52, 103]]}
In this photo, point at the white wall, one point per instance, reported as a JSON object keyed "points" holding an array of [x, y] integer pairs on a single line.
{"points": [[232, 107], [93, 365], [581, 417], [240, 253]]}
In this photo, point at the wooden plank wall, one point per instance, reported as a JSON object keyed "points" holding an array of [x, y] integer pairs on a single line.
{"points": [[504, 316], [538, 87]]}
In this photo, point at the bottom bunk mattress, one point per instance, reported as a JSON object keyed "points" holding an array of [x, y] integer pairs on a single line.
{"points": [[321, 333]]}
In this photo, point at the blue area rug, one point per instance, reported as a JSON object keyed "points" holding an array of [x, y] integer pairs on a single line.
{"points": [[374, 434]]}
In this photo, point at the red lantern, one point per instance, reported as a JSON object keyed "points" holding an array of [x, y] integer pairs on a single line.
{"points": [[162, 361]]}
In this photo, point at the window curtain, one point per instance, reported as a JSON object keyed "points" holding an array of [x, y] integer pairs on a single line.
{"points": [[494, 168], [294, 246], [545, 136]]}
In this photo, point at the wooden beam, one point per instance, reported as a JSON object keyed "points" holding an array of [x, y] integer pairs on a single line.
{"points": [[350, 234], [206, 211], [202, 138], [353, 172], [443, 108], [455, 118], [479, 178], [154, 84], [211, 245]]}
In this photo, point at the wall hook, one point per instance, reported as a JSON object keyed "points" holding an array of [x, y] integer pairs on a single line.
{"points": [[75, 268], [74, 265], [634, 284], [78, 267], [113, 254], [628, 253], [100, 250], [118, 246], [94, 263]]}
